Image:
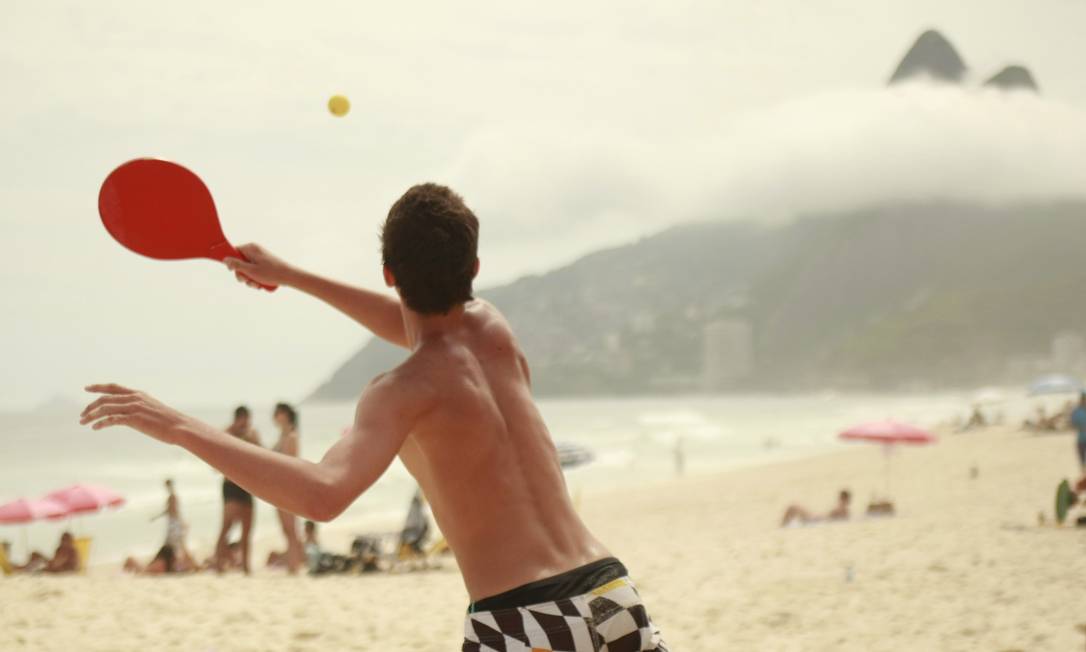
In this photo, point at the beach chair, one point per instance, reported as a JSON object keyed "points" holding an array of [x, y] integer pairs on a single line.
{"points": [[5, 563], [82, 548]]}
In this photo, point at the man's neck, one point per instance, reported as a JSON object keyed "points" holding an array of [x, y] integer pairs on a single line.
{"points": [[423, 328]]}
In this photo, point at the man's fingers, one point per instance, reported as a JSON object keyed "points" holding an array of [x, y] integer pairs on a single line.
{"points": [[124, 409], [117, 420], [238, 265], [246, 280], [111, 399], [109, 388]]}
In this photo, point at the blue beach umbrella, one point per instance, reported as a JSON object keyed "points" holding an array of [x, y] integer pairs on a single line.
{"points": [[1055, 384]]}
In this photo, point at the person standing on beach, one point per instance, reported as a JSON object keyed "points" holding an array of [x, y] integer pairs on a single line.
{"points": [[1078, 422], [176, 529], [286, 418], [460, 415], [237, 503]]}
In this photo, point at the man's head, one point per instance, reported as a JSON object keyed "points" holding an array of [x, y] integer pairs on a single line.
{"points": [[310, 528], [169, 485], [66, 539], [429, 246], [844, 497], [242, 416]]}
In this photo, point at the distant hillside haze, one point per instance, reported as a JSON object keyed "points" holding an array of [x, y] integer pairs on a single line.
{"points": [[898, 295], [929, 295]]}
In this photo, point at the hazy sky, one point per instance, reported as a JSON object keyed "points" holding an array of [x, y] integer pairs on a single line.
{"points": [[567, 126]]}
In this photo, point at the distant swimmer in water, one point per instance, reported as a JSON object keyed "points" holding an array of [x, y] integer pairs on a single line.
{"points": [[460, 415], [237, 503], [798, 514]]}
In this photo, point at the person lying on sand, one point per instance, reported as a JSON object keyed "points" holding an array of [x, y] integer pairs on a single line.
{"points": [[798, 514], [164, 561], [232, 558], [459, 413], [64, 560]]}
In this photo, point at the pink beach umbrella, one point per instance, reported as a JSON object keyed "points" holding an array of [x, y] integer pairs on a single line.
{"points": [[890, 434], [85, 498], [25, 510]]}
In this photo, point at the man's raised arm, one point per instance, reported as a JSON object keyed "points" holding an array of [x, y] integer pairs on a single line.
{"points": [[378, 312], [318, 491]]}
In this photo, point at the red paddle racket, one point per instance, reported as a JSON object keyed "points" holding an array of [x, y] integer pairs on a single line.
{"points": [[162, 210]]}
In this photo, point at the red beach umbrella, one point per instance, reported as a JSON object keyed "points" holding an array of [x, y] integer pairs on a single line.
{"points": [[888, 432], [24, 510], [84, 498]]}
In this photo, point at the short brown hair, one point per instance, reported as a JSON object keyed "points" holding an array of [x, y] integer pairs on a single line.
{"points": [[430, 243]]}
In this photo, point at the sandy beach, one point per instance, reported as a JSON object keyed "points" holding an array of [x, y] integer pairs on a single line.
{"points": [[963, 566]]}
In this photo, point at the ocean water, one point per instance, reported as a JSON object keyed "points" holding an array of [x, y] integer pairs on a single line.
{"points": [[636, 441]]}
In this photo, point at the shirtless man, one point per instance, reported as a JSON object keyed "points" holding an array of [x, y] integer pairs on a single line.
{"points": [[459, 413]]}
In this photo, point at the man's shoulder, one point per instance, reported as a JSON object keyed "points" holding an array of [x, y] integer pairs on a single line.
{"points": [[403, 386]]}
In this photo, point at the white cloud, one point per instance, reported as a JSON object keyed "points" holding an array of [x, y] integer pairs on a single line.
{"points": [[564, 188], [841, 150]]}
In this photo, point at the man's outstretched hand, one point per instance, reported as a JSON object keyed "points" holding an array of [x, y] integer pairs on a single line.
{"points": [[120, 406], [261, 267]]}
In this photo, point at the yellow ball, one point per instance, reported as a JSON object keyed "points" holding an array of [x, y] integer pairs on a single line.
{"points": [[339, 105]]}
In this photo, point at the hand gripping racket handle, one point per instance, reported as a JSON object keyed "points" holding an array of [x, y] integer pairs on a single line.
{"points": [[226, 250]]}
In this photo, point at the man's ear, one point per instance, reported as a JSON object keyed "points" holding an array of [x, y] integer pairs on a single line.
{"points": [[476, 272], [390, 280]]}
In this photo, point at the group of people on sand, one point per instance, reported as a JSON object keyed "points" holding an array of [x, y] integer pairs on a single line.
{"points": [[65, 558], [238, 513], [174, 557], [1060, 421]]}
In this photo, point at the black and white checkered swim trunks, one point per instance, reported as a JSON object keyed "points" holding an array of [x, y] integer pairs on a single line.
{"points": [[594, 608]]}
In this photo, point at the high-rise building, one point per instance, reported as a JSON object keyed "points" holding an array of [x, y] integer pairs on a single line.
{"points": [[728, 353]]}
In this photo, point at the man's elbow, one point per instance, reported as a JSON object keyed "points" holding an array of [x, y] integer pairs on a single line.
{"points": [[325, 504]]}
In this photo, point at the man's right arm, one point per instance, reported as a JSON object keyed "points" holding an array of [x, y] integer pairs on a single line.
{"points": [[378, 312]]}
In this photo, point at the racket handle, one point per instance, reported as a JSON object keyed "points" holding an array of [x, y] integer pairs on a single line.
{"points": [[227, 250]]}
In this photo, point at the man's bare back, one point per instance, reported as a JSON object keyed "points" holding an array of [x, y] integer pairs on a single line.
{"points": [[485, 460], [459, 413]]}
